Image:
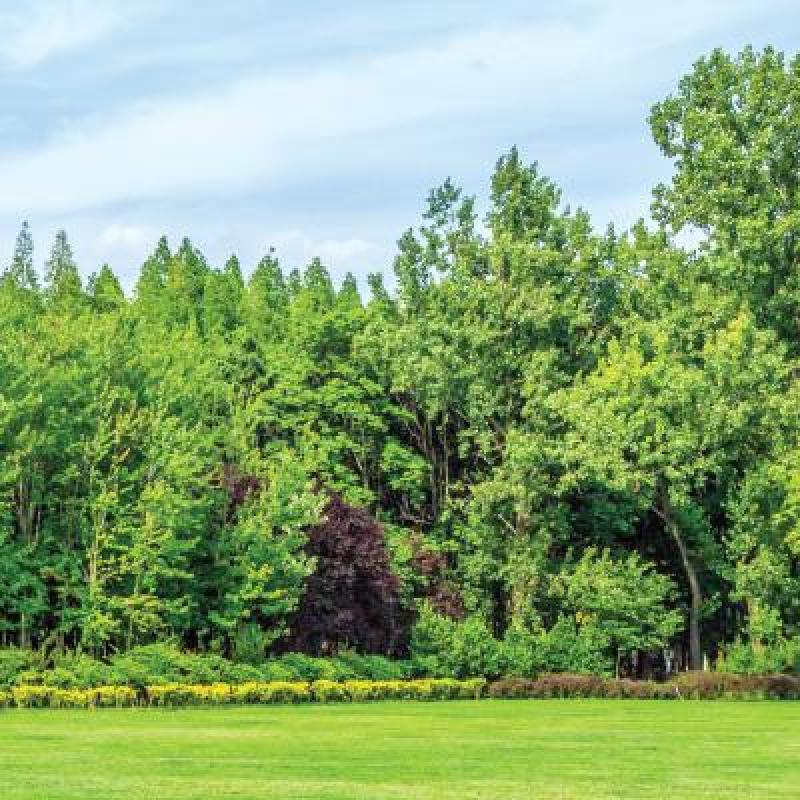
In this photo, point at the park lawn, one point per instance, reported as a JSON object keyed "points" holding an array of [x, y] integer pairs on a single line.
{"points": [[532, 749]]}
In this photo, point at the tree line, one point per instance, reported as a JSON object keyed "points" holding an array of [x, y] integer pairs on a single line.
{"points": [[542, 433]]}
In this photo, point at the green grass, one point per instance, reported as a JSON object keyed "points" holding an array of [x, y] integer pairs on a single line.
{"points": [[538, 749]]}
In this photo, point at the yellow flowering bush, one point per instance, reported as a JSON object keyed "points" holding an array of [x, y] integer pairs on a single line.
{"points": [[171, 695]]}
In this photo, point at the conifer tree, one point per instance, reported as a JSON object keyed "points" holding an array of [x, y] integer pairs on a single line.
{"points": [[62, 279], [21, 269], [105, 291]]}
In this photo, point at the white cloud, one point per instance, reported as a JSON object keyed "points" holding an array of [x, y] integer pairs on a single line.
{"points": [[36, 30], [336, 251], [297, 248], [269, 129], [116, 236]]}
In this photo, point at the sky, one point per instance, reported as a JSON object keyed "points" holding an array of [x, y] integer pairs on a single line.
{"points": [[319, 127]]}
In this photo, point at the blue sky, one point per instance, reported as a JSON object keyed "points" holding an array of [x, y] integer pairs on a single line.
{"points": [[318, 127]]}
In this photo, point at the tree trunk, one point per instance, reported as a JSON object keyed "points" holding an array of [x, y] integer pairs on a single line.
{"points": [[695, 601], [695, 595]]}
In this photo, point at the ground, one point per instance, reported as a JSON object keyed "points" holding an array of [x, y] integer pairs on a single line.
{"points": [[512, 749]]}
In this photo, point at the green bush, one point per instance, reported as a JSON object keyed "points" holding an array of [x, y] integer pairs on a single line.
{"points": [[306, 668], [163, 664], [159, 664], [74, 671], [745, 658], [350, 665], [275, 671], [444, 647], [14, 662], [570, 648]]}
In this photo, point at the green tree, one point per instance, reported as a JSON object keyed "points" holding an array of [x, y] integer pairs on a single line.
{"points": [[666, 424], [21, 269], [625, 600], [733, 132], [62, 280], [105, 291]]}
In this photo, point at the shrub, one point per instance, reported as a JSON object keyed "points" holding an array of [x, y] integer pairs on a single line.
{"points": [[15, 661], [781, 687], [442, 646], [274, 692], [563, 685], [449, 689], [301, 667], [568, 685], [112, 696], [250, 643], [567, 647], [747, 659], [161, 664], [164, 664], [58, 697], [364, 691], [711, 685], [31, 696], [512, 688], [275, 671], [155, 663], [330, 692], [715, 685], [640, 690], [360, 691], [369, 667], [74, 671]]}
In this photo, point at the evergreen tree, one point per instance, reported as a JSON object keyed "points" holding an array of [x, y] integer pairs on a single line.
{"points": [[21, 269], [105, 291], [62, 280]]}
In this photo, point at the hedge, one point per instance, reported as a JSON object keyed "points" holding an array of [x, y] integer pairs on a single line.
{"points": [[171, 695], [688, 686], [684, 686]]}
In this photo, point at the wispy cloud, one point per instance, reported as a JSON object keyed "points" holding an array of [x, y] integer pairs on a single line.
{"points": [[318, 127], [125, 236], [299, 248], [35, 31], [270, 127]]}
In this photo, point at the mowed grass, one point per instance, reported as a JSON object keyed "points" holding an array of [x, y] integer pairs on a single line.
{"points": [[532, 749]]}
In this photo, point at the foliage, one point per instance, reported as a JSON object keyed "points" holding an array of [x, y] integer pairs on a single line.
{"points": [[352, 599], [546, 448], [687, 686], [749, 659]]}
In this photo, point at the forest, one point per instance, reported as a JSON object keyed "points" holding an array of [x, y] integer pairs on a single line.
{"points": [[536, 445]]}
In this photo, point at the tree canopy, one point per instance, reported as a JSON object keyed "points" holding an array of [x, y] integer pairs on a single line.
{"points": [[539, 432]]}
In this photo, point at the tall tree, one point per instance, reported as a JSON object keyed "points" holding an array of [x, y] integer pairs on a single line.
{"points": [[105, 291], [732, 130], [62, 279], [21, 269]]}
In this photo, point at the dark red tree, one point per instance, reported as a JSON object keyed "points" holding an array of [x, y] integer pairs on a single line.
{"points": [[352, 600]]}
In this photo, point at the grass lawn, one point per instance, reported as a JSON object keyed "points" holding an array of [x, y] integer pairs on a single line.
{"points": [[532, 749]]}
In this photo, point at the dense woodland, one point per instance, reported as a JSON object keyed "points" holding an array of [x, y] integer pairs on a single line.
{"points": [[571, 445]]}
